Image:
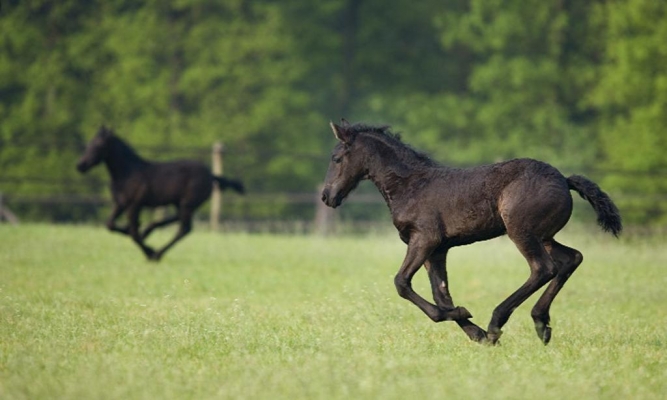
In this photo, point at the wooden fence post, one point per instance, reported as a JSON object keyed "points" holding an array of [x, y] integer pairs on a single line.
{"points": [[5, 214], [216, 196], [324, 216]]}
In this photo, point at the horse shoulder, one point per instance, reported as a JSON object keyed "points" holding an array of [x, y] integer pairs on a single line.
{"points": [[129, 190], [420, 215], [465, 203]]}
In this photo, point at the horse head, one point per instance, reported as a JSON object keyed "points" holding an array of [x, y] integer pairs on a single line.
{"points": [[347, 166], [96, 150]]}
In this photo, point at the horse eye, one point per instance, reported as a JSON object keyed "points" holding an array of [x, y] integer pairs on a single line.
{"points": [[337, 160]]}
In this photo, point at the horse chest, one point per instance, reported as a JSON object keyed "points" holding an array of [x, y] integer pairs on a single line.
{"points": [[448, 221]]}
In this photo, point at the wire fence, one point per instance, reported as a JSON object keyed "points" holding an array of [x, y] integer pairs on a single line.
{"points": [[303, 205]]}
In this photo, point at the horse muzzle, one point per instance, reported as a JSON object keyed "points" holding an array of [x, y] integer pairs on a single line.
{"points": [[82, 166], [329, 200]]}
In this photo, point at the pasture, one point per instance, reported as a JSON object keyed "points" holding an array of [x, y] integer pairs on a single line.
{"points": [[238, 316]]}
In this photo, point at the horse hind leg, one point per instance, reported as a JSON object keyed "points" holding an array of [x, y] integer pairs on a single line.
{"points": [[185, 218], [437, 274], [158, 224], [567, 260], [542, 270]]}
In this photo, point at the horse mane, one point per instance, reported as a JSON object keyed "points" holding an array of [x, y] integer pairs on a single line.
{"points": [[126, 151], [393, 140]]}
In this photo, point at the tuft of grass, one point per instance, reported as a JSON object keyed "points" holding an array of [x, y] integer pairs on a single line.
{"points": [[229, 316]]}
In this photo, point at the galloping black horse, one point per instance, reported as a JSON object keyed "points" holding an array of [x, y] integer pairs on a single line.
{"points": [[436, 208], [138, 183]]}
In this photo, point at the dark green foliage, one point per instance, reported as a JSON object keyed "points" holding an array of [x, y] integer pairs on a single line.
{"points": [[578, 84]]}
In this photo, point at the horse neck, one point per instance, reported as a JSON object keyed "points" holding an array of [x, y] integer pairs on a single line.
{"points": [[121, 160], [392, 169]]}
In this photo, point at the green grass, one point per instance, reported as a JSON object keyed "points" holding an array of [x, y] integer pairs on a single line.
{"points": [[238, 316]]}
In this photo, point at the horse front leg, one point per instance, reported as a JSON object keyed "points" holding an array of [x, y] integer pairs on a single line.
{"points": [[133, 216], [111, 221], [416, 256], [436, 265]]}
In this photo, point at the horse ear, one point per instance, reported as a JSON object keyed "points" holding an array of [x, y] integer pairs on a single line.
{"points": [[344, 123], [342, 133], [104, 132]]}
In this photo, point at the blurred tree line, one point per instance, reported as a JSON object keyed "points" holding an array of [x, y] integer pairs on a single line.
{"points": [[582, 85]]}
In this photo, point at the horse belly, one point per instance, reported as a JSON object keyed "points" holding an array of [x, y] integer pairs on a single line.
{"points": [[164, 192], [179, 183], [472, 223]]}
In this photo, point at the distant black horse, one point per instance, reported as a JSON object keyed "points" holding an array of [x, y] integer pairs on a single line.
{"points": [[436, 208], [138, 183]]}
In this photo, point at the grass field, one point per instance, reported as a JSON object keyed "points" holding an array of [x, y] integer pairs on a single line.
{"points": [[239, 316]]}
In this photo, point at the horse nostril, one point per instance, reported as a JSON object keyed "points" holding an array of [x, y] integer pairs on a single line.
{"points": [[325, 196], [81, 166]]}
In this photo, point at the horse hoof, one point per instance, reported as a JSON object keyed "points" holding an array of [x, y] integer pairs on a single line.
{"points": [[490, 341], [493, 337], [477, 335], [547, 336], [152, 255], [543, 332]]}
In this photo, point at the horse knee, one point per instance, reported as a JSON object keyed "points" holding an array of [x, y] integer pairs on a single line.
{"points": [[402, 286]]}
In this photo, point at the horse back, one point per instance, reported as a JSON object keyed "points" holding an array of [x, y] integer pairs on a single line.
{"points": [[182, 182], [465, 205]]}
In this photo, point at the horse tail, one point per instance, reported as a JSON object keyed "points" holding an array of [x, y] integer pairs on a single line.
{"points": [[225, 183], [608, 216]]}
